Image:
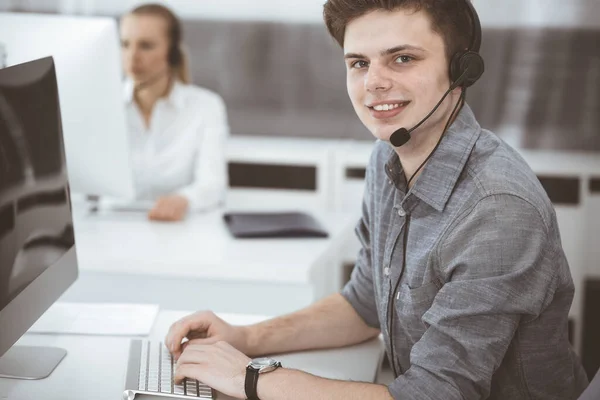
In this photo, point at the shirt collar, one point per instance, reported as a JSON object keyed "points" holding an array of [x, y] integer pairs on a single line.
{"points": [[128, 91], [440, 174], [175, 97]]}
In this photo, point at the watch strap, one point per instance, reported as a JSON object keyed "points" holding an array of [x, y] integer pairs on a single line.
{"points": [[251, 383]]}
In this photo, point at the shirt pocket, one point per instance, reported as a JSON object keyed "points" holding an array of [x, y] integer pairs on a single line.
{"points": [[412, 303]]}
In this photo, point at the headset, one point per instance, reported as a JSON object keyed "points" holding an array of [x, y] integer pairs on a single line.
{"points": [[466, 67], [468, 63], [175, 57]]}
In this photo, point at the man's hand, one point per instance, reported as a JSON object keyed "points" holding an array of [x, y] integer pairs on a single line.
{"points": [[204, 327], [169, 208], [219, 365]]}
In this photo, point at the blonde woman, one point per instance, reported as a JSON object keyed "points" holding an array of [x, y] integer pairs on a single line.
{"points": [[177, 130]]}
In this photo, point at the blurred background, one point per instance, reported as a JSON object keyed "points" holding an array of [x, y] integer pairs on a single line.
{"points": [[280, 74]]}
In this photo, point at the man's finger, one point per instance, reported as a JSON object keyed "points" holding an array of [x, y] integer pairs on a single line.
{"points": [[203, 341], [196, 324], [185, 371], [192, 355], [197, 335], [186, 343]]}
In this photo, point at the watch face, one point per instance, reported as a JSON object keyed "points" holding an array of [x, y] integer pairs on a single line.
{"points": [[263, 362]]}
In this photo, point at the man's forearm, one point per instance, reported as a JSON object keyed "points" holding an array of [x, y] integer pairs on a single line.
{"points": [[331, 322], [287, 384]]}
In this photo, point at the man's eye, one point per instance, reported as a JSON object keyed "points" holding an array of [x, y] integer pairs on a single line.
{"points": [[359, 64], [404, 59]]}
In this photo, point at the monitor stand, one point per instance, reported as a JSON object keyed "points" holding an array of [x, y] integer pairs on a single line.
{"points": [[93, 203], [28, 362]]}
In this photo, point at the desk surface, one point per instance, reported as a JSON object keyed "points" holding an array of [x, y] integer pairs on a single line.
{"points": [[95, 366], [200, 247]]}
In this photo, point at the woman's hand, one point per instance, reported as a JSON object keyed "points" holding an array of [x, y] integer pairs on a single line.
{"points": [[169, 208]]}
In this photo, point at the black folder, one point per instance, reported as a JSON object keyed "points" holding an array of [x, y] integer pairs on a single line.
{"points": [[273, 225]]}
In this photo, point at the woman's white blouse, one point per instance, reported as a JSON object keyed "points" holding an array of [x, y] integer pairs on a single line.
{"points": [[182, 151]]}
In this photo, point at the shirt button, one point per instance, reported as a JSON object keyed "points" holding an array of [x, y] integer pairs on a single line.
{"points": [[390, 182], [401, 212], [386, 271]]}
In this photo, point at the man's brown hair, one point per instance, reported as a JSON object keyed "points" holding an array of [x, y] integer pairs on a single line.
{"points": [[449, 18]]}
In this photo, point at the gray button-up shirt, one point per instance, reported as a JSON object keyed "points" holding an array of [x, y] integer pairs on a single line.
{"points": [[481, 301]]}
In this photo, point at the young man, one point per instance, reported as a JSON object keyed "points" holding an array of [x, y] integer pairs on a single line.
{"points": [[461, 269]]}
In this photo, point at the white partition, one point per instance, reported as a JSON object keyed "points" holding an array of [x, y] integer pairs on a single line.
{"points": [[592, 236], [314, 153], [347, 191]]}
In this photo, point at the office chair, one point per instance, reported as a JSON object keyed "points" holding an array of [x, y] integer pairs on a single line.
{"points": [[592, 392]]}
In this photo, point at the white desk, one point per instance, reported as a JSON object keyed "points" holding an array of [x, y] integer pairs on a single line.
{"points": [[95, 366], [197, 264]]}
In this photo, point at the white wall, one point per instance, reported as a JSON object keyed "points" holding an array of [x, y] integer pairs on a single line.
{"points": [[497, 13], [493, 13], [267, 10], [539, 13], [37, 5]]}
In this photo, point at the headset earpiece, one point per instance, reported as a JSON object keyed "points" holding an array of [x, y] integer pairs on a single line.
{"points": [[469, 62], [174, 55]]}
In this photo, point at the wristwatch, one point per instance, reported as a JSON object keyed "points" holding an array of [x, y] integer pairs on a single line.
{"points": [[253, 369]]}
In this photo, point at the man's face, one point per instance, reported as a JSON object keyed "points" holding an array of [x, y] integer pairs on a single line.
{"points": [[397, 71]]}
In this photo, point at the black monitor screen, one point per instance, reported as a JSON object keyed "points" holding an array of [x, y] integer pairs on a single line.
{"points": [[36, 227]]}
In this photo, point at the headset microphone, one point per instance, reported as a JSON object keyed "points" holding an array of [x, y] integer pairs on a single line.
{"points": [[402, 135]]}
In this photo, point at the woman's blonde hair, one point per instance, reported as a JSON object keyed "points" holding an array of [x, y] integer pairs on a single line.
{"points": [[177, 56]]}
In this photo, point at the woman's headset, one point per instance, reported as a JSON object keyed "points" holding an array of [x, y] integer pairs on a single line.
{"points": [[175, 57]]}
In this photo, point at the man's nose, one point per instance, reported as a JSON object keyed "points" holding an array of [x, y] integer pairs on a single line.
{"points": [[377, 78]]}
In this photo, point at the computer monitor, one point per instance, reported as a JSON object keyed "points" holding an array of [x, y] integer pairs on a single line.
{"points": [[86, 51], [37, 245]]}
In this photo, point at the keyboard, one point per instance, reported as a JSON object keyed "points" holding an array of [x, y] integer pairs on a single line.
{"points": [[150, 372]]}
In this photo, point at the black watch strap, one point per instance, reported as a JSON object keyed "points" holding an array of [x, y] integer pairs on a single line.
{"points": [[251, 383]]}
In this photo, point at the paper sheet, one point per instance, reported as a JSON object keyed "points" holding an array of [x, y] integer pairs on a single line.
{"points": [[97, 319]]}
